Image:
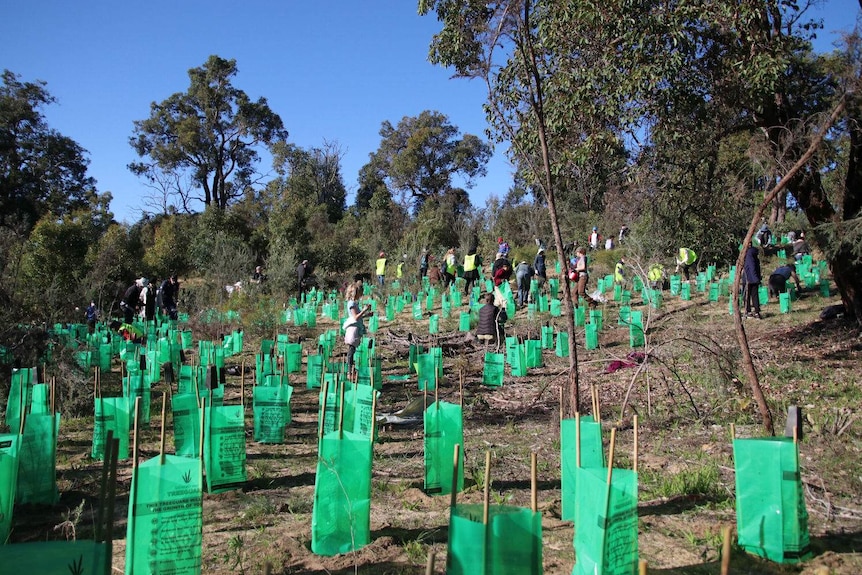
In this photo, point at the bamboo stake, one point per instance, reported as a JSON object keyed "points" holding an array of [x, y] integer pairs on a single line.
{"points": [[341, 408], [456, 463], [593, 399], [162, 437], [325, 390], [242, 383], [725, 550], [635, 461], [578, 439], [732, 432], [611, 454], [534, 501], [373, 414], [486, 504], [598, 406], [135, 431], [642, 567]]}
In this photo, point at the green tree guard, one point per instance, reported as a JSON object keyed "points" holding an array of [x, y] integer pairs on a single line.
{"points": [[20, 395], [434, 324], [426, 369], [464, 321], [562, 349], [518, 361], [606, 515], [271, 406], [685, 292], [293, 357], [37, 466], [10, 446], [771, 518], [224, 447], [592, 336], [136, 385], [164, 531], [784, 302], [636, 329], [111, 415], [493, 370], [358, 407], [314, 371], [187, 424], [340, 520], [510, 543], [547, 337], [591, 456], [533, 348], [443, 431]]}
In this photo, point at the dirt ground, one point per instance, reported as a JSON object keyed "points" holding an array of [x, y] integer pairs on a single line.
{"points": [[687, 396]]}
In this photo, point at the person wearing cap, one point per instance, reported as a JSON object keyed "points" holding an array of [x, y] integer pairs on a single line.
{"points": [[302, 273], [539, 267], [169, 291], [595, 239], [523, 275], [380, 269], [354, 329]]}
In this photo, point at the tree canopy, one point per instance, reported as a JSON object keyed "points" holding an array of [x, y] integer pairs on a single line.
{"points": [[41, 171]]}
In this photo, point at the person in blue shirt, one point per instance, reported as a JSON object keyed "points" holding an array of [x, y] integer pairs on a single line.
{"points": [[778, 280]]}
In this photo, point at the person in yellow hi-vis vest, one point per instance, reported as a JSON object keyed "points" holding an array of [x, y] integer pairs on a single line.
{"points": [[685, 259], [380, 269], [472, 261]]}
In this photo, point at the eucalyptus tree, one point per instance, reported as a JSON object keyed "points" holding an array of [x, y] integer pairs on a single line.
{"points": [[420, 157], [213, 132]]}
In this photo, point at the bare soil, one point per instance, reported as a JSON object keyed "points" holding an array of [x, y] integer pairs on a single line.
{"points": [[686, 396]]}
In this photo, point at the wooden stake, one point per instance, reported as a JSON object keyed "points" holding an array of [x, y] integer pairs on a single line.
{"points": [[534, 502], [595, 405], [436, 387], [429, 566], [162, 435], [461, 387], [561, 405], [456, 463], [106, 464], [635, 460], [642, 567], [732, 432], [53, 393], [725, 550], [486, 504]]}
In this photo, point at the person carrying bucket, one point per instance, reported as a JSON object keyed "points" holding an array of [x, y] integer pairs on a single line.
{"points": [[685, 259]]}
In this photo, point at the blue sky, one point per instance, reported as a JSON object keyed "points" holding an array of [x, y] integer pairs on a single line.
{"points": [[333, 71]]}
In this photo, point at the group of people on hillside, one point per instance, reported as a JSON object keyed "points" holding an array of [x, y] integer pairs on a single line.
{"points": [[142, 298]]}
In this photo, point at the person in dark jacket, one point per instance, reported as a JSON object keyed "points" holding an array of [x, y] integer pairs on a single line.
{"points": [[302, 273], [751, 277], [539, 266], [170, 291], [491, 320], [131, 300]]}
